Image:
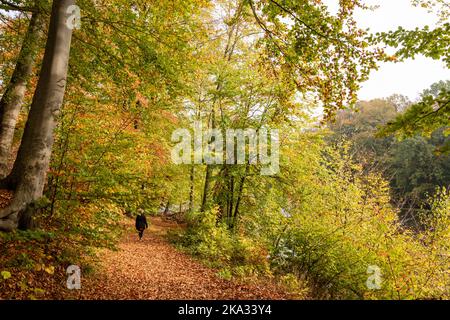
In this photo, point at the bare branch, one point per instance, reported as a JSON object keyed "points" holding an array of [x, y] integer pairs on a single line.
{"points": [[9, 6]]}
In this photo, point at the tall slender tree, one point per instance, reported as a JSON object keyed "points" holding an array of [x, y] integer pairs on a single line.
{"points": [[11, 101], [27, 178]]}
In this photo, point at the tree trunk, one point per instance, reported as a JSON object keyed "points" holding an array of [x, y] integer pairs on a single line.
{"points": [[206, 188], [191, 191], [208, 167], [239, 197], [32, 163], [166, 209], [11, 101], [230, 200]]}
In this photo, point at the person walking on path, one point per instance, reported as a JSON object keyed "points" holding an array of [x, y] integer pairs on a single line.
{"points": [[141, 223]]}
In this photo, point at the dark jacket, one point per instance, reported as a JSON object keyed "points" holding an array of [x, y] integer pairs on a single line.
{"points": [[141, 222]]}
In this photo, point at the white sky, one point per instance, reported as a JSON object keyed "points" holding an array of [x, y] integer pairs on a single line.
{"points": [[409, 77]]}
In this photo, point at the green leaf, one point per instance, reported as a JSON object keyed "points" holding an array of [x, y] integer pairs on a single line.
{"points": [[5, 275]]}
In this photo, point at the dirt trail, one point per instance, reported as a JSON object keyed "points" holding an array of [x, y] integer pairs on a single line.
{"points": [[153, 269]]}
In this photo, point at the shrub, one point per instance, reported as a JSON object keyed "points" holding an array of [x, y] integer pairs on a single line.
{"points": [[215, 243]]}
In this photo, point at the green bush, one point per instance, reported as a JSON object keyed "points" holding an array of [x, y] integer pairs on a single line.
{"points": [[337, 243], [213, 242]]}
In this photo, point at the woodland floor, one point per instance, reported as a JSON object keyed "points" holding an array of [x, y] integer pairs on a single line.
{"points": [[152, 268]]}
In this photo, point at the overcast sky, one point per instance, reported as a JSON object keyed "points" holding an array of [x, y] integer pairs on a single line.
{"points": [[410, 77]]}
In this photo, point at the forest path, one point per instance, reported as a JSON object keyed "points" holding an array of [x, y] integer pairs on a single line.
{"points": [[153, 269]]}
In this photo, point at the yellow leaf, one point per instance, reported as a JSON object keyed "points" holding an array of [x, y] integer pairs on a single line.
{"points": [[39, 291], [50, 270], [6, 274]]}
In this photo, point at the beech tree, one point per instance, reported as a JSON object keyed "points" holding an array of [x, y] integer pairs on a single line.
{"points": [[27, 178], [11, 101]]}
